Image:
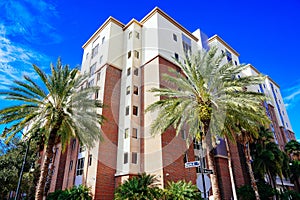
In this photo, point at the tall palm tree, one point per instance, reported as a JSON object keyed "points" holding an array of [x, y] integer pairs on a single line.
{"points": [[141, 187], [293, 148], [211, 100], [57, 106]]}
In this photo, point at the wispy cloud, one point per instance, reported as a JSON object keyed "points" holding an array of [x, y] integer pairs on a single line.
{"points": [[24, 25], [292, 95], [30, 20]]}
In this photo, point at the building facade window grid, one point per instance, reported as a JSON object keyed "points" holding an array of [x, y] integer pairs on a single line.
{"points": [[80, 166]]}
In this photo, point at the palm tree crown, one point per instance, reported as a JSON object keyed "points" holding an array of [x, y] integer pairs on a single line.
{"points": [[57, 107], [58, 104], [210, 98], [210, 94]]}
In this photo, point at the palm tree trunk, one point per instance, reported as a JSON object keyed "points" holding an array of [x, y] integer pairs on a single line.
{"points": [[230, 170], [45, 166], [251, 174], [296, 180], [50, 174], [211, 163], [213, 177]]}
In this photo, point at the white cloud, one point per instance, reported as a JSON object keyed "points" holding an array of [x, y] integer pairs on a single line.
{"points": [[292, 95], [30, 20], [24, 23]]}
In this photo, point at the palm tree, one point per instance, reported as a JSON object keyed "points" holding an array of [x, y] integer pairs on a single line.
{"points": [[209, 99], [57, 106], [293, 148], [140, 187], [181, 191], [295, 173]]}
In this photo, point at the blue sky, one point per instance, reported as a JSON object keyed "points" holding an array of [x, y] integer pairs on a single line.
{"points": [[265, 33]]}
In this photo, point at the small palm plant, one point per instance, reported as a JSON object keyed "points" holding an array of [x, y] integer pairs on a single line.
{"points": [[181, 190], [141, 187]]}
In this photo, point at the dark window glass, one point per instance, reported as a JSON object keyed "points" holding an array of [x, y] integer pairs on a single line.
{"points": [[134, 133], [90, 159], [127, 110], [135, 110], [135, 90], [80, 166], [134, 157], [125, 158]]}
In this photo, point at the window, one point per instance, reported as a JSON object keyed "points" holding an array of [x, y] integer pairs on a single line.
{"points": [[283, 112], [186, 43], [279, 101], [135, 110], [235, 62], [135, 90], [264, 85], [81, 149], [185, 158], [136, 54], [238, 76], [91, 83], [98, 76], [129, 54], [97, 94], [87, 56], [90, 160], [128, 71], [228, 56], [95, 51], [134, 133], [129, 35], [196, 145], [134, 157], [174, 37], [92, 69], [71, 165], [183, 135], [286, 124], [73, 144], [128, 90], [136, 71], [127, 110], [80, 166], [125, 158], [100, 59], [137, 35], [126, 133], [103, 40], [176, 56]]}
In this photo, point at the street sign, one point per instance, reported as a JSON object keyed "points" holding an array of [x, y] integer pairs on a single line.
{"points": [[204, 180], [192, 164], [207, 171]]}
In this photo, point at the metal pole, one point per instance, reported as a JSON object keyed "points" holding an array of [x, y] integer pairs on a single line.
{"points": [[201, 169], [22, 169]]}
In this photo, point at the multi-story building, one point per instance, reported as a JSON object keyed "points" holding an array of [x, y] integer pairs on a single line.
{"points": [[126, 60]]}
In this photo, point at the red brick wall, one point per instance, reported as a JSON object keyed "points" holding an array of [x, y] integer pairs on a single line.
{"points": [[279, 136], [223, 177], [174, 147], [69, 175], [236, 165], [61, 170], [106, 169]]}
